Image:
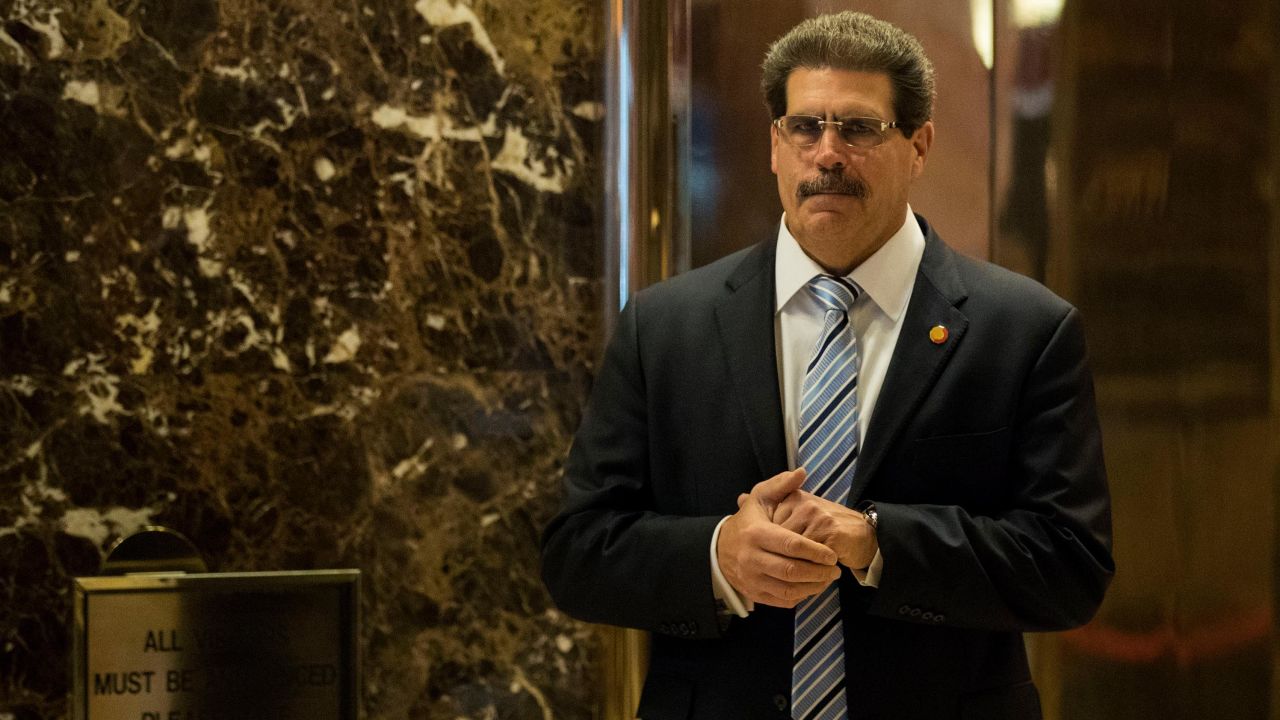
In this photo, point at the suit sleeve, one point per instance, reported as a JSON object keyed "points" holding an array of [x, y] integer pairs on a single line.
{"points": [[610, 556], [1044, 561]]}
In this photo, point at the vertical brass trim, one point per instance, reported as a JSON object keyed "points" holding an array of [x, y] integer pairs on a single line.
{"points": [[679, 238], [1060, 262], [625, 659], [1271, 14], [647, 160], [646, 149], [993, 125], [618, 204]]}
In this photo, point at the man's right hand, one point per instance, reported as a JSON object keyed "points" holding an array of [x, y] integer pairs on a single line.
{"points": [[766, 563]]}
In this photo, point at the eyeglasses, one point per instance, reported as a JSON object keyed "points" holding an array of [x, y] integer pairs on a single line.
{"points": [[858, 133]]}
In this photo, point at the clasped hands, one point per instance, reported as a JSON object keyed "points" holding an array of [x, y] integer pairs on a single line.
{"points": [[784, 544]]}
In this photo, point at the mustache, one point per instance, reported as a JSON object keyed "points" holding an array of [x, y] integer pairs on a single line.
{"points": [[836, 183]]}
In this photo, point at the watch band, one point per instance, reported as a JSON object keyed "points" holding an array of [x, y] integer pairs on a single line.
{"points": [[868, 510]]}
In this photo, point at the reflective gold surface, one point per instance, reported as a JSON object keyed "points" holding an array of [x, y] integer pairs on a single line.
{"points": [[1123, 154], [1136, 176], [625, 657], [646, 221], [643, 186]]}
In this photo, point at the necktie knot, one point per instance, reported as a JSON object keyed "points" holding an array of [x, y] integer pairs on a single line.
{"points": [[833, 293]]}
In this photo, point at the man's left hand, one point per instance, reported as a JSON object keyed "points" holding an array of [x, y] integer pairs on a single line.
{"points": [[845, 531]]}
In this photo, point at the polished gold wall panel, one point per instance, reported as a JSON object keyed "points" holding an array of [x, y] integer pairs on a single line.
{"points": [[1136, 176], [1123, 153]]}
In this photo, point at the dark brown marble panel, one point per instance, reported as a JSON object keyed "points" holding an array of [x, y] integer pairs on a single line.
{"points": [[316, 284]]}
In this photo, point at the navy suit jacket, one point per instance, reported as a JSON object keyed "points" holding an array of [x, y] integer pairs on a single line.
{"points": [[983, 457]]}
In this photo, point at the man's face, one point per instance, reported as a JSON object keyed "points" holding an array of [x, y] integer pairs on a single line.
{"points": [[839, 227]]}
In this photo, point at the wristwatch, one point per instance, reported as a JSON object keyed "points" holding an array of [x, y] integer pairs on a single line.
{"points": [[868, 510]]}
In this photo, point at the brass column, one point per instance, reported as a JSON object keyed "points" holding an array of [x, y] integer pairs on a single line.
{"points": [[1273, 21], [647, 137], [646, 218]]}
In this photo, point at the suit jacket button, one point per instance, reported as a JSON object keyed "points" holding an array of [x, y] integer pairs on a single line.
{"points": [[664, 628], [915, 612], [927, 615], [939, 617], [780, 701], [904, 610]]}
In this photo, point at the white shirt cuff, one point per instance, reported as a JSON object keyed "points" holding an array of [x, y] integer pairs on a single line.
{"points": [[721, 587], [870, 577]]}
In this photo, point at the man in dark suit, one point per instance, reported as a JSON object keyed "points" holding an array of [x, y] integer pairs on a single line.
{"points": [[839, 473]]}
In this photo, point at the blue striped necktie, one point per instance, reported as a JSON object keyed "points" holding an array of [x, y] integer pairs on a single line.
{"points": [[828, 449]]}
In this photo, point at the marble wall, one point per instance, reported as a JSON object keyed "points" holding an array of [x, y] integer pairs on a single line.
{"points": [[316, 283]]}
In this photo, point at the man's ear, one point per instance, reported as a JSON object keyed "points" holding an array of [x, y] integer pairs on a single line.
{"points": [[773, 148], [921, 141]]}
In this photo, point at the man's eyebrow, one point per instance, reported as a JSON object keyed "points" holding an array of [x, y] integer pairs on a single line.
{"points": [[856, 114]]}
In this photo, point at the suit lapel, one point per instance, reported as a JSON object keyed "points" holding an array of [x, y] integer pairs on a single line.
{"points": [[917, 361], [745, 323]]}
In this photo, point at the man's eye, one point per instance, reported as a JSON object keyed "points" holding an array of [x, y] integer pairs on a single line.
{"points": [[856, 127], [805, 125]]}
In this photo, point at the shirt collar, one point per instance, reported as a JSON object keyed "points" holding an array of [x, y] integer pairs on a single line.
{"points": [[886, 277]]}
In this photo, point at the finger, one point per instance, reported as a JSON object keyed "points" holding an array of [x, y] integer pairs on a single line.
{"points": [[800, 526], [781, 515], [788, 507], [773, 601], [780, 541], [775, 489], [781, 594], [767, 598], [804, 522], [791, 570]]}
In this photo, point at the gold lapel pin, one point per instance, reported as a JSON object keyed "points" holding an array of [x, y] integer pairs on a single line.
{"points": [[938, 334]]}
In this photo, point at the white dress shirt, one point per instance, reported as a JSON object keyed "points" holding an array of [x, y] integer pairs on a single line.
{"points": [[886, 279]]}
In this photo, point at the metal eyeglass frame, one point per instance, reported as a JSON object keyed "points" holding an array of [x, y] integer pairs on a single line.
{"points": [[868, 122]]}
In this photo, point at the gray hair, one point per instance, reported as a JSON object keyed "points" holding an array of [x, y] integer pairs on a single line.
{"points": [[853, 41]]}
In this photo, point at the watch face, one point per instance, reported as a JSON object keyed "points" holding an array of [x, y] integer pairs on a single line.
{"points": [[868, 510]]}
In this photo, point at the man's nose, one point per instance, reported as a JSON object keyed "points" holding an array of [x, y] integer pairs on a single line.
{"points": [[831, 148]]}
